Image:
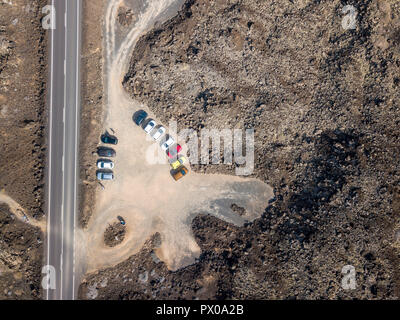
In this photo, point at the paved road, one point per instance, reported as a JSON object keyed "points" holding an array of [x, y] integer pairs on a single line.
{"points": [[63, 147]]}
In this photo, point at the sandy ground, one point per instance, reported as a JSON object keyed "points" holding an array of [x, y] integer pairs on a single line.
{"points": [[145, 193]]}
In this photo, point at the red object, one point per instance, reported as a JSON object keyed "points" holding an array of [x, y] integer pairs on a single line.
{"points": [[174, 150]]}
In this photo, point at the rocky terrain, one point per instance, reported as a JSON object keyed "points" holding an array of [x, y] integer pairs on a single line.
{"points": [[21, 252], [114, 234], [324, 103], [23, 72], [22, 110]]}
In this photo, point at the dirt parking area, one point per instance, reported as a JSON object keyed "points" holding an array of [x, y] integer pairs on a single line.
{"points": [[145, 194]]}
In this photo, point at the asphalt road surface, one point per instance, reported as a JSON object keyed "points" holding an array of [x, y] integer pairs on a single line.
{"points": [[64, 113]]}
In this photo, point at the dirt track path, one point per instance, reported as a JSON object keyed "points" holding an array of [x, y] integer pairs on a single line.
{"points": [[143, 193], [20, 213]]}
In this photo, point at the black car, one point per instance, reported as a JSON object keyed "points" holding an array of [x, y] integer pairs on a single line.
{"points": [[121, 220], [139, 116], [108, 138], [105, 152]]}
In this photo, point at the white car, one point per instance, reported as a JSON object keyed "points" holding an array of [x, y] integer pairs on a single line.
{"points": [[105, 164], [158, 133], [168, 141], [150, 125]]}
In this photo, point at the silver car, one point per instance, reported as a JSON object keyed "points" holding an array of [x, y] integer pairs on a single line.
{"points": [[167, 142], [158, 133], [104, 175]]}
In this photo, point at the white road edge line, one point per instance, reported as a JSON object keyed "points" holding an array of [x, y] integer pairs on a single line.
{"points": [[61, 255], [76, 137], [50, 131], [63, 182]]}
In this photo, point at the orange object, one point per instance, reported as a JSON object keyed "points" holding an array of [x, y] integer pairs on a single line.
{"points": [[180, 172]]}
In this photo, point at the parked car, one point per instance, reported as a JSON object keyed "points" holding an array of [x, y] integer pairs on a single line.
{"points": [[158, 133], [121, 220], [180, 173], [105, 164], [105, 152], [107, 138], [104, 175], [139, 117], [174, 150], [175, 164], [150, 125], [167, 142]]}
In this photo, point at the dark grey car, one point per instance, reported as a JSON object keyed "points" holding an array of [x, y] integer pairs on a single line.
{"points": [[139, 116], [106, 152]]}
